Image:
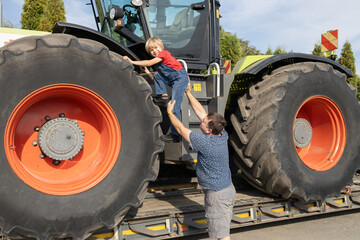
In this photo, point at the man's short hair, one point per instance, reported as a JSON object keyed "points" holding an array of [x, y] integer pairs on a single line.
{"points": [[152, 43], [216, 123]]}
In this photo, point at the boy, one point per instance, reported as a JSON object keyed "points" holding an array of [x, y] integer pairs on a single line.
{"points": [[169, 72]]}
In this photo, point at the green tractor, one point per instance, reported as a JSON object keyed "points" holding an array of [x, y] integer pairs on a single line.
{"points": [[81, 134]]}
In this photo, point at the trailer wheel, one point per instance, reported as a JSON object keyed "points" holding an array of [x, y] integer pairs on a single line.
{"points": [[296, 134], [80, 137]]}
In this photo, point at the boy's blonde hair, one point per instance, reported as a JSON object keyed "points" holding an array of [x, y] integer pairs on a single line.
{"points": [[152, 43]]}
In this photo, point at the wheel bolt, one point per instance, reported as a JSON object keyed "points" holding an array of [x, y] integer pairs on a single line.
{"points": [[42, 156], [62, 115], [36, 129], [47, 118], [56, 162], [34, 143]]}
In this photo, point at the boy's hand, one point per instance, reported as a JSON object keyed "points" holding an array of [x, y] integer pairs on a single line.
{"points": [[127, 58], [170, 105]]}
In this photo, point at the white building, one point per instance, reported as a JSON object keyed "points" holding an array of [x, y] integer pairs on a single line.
{"points": [[1, 14]]}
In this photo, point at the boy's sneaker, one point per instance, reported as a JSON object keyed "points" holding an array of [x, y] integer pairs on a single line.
{"points": [[171, 138], [176, 138], [160, 101]]}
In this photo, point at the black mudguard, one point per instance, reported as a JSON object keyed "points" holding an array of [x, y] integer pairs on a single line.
{"points": [[135, 51]]}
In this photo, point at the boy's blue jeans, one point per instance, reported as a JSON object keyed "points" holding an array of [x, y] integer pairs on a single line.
{"points": [[178, 81]]}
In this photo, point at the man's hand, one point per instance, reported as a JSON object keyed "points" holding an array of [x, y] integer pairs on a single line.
{"points": [[195, 104], [170, 106], [145, 69], [188, 89], [183, 131]]}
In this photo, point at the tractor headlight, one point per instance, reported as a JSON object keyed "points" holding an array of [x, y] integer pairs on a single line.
{"points": [[116, 13], [137, 3]]}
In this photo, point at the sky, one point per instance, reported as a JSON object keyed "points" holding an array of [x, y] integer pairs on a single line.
{"points": [[294, 25]]}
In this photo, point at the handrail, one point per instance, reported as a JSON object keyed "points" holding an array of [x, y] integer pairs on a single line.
{"points": [[217, 66], [184, 64]]}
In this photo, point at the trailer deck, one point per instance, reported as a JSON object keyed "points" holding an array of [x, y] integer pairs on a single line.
{"points": [[162, 216]]}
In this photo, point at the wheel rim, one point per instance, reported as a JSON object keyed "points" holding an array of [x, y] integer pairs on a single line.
{"points": [[325, 144], [95, 155]]}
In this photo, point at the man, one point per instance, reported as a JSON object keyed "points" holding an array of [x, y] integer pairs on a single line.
{"points": [[212, 168]]}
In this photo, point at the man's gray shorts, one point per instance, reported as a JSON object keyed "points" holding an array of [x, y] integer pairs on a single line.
{"points": [[219, 210]]}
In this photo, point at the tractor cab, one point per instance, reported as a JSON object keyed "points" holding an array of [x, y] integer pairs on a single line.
{"points": [[188, 28]]}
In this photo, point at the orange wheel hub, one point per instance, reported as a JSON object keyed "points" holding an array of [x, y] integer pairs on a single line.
{"points": [[62, 139], [319, 133]]}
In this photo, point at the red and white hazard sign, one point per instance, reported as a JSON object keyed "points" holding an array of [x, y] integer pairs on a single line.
{"points": [[227, 66], [329, 41]]}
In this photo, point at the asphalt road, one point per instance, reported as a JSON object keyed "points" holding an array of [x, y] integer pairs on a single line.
{"points": [[332, 226]]}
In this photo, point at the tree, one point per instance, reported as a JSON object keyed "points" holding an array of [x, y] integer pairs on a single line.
{"points": [[246, 49], [41, 15], [54, 12], [279, 50], [233, 48], [355, 81], [317, 50], [7, 23], [230, 47], [32, 12], [347, 59], [269, 51]]}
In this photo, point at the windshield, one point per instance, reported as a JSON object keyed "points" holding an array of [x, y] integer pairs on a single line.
{"points": [[173, 21], [131, 20], [182, 25]]}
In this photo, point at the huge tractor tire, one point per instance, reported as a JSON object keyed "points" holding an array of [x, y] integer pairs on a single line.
{"points": [[80, 137], [296, 133]]}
